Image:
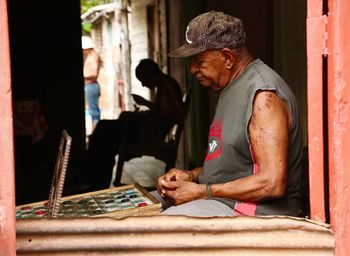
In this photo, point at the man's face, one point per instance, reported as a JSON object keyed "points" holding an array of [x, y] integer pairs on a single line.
{"points": [[147, 80], [209, 69]]}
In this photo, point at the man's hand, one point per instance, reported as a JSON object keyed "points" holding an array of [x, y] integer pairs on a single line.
{"points": [[173, 175], [180, 192], [139, 100]]}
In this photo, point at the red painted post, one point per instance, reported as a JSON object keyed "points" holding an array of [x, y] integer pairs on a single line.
{"points": [[339, 122], [315, 29], [7, 191]]}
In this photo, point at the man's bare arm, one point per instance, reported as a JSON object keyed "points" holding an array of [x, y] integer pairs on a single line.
{"points": [[268, 134]]}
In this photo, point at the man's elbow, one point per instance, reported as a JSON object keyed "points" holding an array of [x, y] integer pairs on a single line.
{"points": [[279, 191], [275, 189]]}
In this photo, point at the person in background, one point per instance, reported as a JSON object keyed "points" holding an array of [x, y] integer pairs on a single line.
{"points": [[168, 100], [92, 63], [253, 161], [105, 141]]}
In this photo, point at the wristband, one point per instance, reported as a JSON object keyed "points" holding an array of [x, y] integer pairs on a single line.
{"points": [[208, 188]]}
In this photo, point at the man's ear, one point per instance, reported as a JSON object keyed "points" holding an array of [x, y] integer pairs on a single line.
{"points": [[229, 57]]}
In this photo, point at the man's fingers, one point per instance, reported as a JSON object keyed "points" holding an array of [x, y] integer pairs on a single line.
{"points": [[170, 184], [169, 194], [160, 188]]}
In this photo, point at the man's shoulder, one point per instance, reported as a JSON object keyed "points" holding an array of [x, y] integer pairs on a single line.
{"points": [[171, 84], [264, 73], [169, 79]]}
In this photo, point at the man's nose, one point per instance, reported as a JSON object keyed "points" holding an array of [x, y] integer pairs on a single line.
{"points": [[193, 67]]}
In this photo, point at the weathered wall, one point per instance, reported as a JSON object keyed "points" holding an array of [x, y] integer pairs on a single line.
{"points": [[106, 33]]}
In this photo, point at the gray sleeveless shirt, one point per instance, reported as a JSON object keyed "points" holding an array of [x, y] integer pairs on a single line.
{"points": [[229, 156]]}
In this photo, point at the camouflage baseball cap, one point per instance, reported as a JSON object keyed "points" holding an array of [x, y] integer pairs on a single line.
{"points": [[211, 30]]}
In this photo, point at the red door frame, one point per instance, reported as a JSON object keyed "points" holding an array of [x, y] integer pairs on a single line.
{"points": [[315, 33], [7, 191], [339, 122], [329, 36]]}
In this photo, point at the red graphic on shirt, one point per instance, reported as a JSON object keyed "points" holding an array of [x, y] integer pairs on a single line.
{"points": [[214, 140], [245, 208]]}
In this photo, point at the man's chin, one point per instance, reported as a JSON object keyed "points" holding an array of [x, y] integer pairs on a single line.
{"points": [[214, 88], [204, 84], [208, 85]]}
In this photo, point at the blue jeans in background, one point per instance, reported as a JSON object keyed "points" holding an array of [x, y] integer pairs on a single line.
{"points": [[92, 95]]}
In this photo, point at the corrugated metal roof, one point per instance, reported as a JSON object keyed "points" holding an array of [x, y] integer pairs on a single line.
{"points": [[94, 13], [175, 235]]}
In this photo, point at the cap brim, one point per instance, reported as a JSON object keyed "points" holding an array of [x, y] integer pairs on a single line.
{"points": [[185, 51]]}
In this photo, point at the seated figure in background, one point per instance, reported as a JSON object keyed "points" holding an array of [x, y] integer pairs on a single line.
{"points": [[168, 99], [105, 141]]}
